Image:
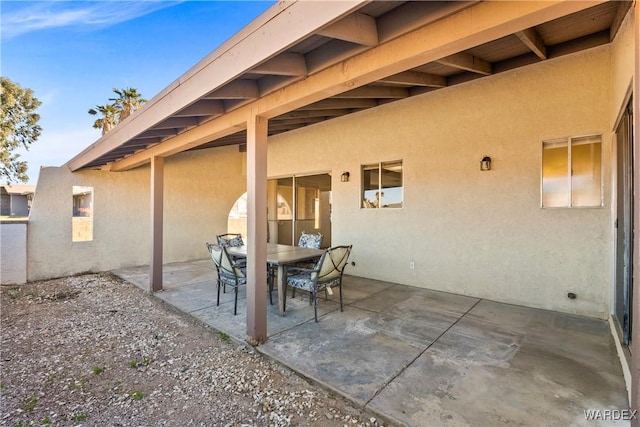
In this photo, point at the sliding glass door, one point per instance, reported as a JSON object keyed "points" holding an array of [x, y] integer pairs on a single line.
{"points": [[299, 204]]}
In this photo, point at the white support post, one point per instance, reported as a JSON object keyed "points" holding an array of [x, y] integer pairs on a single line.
{"points": [[256, 230], [155, 267]]}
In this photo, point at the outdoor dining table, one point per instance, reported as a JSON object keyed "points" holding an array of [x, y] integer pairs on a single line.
{"points": [[280, 256]]}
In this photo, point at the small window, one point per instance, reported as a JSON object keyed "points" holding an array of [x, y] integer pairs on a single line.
{"points": [[382, 185], [572, 172], [82, 225]]}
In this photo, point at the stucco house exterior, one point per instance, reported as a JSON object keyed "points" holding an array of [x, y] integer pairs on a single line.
{"points": [[500, 135]]}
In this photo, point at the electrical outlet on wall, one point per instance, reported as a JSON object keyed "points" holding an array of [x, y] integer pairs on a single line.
{"points": [[412, 265]]}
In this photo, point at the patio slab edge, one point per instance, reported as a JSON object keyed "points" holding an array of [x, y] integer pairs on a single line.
{"points": [[363, 406]]}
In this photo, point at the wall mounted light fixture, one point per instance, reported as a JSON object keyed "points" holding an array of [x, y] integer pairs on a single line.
{"points": [[485, 163], [344, 177]]}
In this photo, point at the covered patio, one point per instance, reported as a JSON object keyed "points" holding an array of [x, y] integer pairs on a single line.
{"points": [[498, 292], [304, 78], [420, 357]]}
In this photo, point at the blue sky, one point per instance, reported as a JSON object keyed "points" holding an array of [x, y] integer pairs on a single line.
{"points": [[73, 53]]}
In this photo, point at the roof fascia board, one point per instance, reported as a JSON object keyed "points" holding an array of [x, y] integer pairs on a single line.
{"points": [[481, 23], [280, 27]]}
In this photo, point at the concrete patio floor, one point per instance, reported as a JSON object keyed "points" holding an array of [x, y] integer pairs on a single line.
{"points": [[424, 358]]}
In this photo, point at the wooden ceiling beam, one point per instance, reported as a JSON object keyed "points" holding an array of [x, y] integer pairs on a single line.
{"points": [[576, 45], [313, 113], [154, 133], [533, 41], [374, 92], [307, 120], [143, 143], [415, 78], [335, 103], [355, 28], [515, 62], [285, 64], [237, 89], [233, 104], [415, 14], [177, 123], [330, 54], [205, 107], [229, 140], [288, 127], [419, 90], [268, 84], [623, 8], [467, 62]]}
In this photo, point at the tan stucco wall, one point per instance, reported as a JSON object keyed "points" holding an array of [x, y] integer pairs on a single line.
{"points": [[471, 232], [199, 191]]}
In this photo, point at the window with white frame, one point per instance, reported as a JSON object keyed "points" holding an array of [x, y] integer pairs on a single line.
{"points": [[572, 172], [382, 185]]}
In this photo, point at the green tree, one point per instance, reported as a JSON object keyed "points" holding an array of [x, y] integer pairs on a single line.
{"points": [[128, 101], [109, 117], [18, 128]]}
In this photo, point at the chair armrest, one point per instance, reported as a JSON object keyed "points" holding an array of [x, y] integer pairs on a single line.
{"points": [[296, 270]]}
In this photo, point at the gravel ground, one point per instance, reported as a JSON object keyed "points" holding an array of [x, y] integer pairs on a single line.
{"points": [[96, 351]]}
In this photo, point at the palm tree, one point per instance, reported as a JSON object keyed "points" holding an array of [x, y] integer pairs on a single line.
{"points": [[128, 101], [109, 117]]}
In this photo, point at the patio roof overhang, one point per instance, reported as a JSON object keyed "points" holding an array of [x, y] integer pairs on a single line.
{"points": [[301, 63]]}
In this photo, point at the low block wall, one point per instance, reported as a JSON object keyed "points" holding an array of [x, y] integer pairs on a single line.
{"points": [[13, 252]]}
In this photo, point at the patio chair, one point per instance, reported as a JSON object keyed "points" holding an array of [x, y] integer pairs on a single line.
{"points": [[230, 239], [326, 274], [313, 241], [235, 240], [229, 273]]}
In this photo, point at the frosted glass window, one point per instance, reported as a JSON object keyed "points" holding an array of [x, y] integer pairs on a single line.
{"points": [[586, 179], [555, 163], [572, 172]]}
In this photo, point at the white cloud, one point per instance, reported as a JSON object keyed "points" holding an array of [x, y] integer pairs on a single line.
{"points": [[23, 17]]}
